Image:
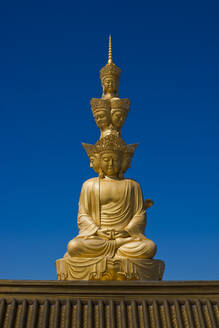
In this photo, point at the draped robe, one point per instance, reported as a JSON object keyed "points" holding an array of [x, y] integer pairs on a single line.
{"points": [[127, 214]]}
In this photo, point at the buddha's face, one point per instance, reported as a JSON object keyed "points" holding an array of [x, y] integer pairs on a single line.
{"points": [[102, 118], [126, 163], [111, 163], [109, 85], [95, 163], [118, 118]]}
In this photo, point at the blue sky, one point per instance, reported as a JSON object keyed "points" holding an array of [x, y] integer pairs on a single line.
{"points": [[50, 56]]}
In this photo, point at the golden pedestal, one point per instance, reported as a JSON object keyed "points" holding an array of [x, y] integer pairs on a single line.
{"points": [[109, 269]]}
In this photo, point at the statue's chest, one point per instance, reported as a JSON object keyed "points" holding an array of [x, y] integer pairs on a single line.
{"points": [[111, 191]]}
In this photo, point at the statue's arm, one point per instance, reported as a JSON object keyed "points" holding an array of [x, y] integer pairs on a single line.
{"points": [[86, 224], [137, 224]]}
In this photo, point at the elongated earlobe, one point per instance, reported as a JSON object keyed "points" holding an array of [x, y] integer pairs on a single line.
{"points": [[101, 174]]}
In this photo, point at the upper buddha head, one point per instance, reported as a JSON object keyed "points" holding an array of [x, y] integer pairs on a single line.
{"points": [[119, 111], [101, 112], [110, 75]]}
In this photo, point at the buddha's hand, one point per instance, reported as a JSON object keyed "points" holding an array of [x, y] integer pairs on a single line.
{"points": [[102, 233], [122, 234]]}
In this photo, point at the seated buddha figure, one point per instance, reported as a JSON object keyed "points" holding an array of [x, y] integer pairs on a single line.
{"points": [[111, 215]]}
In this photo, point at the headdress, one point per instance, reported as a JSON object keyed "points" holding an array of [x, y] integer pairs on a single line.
{"points": [[131, 149], [97, 104], [88, 148], [111, 143], [110, 69], [120, 104]]}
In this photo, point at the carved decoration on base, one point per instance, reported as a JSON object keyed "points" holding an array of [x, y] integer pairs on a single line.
{"points": [[109, 269]]}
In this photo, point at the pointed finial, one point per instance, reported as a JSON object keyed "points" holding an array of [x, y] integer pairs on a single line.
{"points": [[110, 58]]}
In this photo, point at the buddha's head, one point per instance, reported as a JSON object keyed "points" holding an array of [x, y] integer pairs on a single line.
{"points": [[94, 158], [95, 162], [111, 149], [119, 111], [110, 75], [126, 162], [102, 119], [110, 86], [110, 163], [101, 112], [118, 118], [127, 158]]}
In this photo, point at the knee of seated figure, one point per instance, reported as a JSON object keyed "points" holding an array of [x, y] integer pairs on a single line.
{"points": [[74, 247], [150, 247]]}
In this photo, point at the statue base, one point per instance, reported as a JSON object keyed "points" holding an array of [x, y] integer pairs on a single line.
{"points": [[69, 268]]}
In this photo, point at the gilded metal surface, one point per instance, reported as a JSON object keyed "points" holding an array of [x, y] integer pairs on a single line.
{"points": [[111, 244], [68, 268]]}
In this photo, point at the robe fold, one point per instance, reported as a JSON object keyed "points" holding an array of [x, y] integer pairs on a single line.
{"points": [[127, 214]]}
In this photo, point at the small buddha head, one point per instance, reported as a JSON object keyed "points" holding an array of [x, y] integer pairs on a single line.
{"points": [[95, 162], [94, 158], [110, 86], [110, 75], [126, 162], [101, 112], [101, 119], [119, 111], [127, 157]]}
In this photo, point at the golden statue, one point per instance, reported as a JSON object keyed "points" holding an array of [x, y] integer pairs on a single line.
{"points": [[112, 212], [110, 75]]}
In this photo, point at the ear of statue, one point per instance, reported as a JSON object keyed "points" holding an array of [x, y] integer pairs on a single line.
{"points": [[104, 89]]}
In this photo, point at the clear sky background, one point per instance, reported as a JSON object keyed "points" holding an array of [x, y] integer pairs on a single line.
{"points": [[50, 56]]}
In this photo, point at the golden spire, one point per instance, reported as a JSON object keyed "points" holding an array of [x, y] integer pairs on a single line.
{"points": [[110, 58], [110, 72]]}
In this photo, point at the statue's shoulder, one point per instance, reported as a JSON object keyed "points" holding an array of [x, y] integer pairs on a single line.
{"points": [[132, 182], [90, 182]]}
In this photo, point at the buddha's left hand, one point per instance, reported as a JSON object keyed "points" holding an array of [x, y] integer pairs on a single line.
{"points": [[122, 234]]}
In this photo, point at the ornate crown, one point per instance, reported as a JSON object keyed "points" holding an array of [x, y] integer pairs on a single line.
{"points": [[131, 149], [88, 148], [110, 69], [111, 143], [97, 104], [120, 104]]}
